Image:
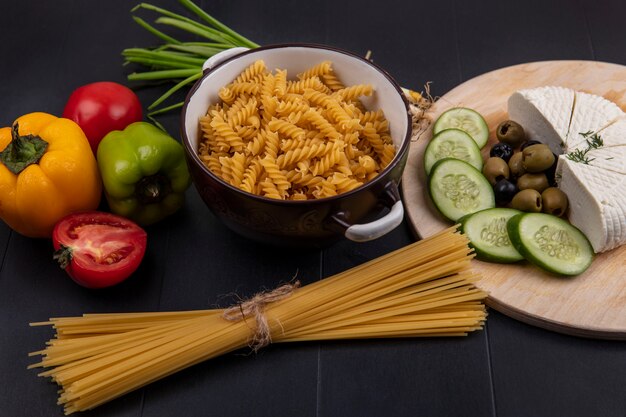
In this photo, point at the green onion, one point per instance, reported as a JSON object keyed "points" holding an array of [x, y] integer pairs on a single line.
{"points": [[176, 61]]}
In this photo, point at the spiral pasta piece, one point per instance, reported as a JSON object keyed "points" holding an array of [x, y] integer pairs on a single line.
{"points": [[332, 81], [251, 73], [313, 83], [280, 86], [275, 175], [316, 97], [328, 160], [343, 182], [246, 133], [371, 116], [272, 144], [286, 128], [389, 151], [286, 108], [269, 106], [341, 118], [303, 180], [213, 163], [233, 168], [353, 92], [242, 113], [244, 88], [374, 139], [270, 190], [324, 189], [227, 95], [250, 176], [298, 195], [229, 138], [324, 67], [322, 124], [307, 152]]}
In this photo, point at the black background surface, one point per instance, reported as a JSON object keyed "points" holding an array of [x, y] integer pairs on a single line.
{"points": [[47, 49]]}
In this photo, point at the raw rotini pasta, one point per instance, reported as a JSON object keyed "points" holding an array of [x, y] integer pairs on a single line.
{"points": [[296, 139]]}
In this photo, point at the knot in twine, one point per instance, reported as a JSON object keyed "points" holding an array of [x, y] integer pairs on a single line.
{"points": [[254, 307]]}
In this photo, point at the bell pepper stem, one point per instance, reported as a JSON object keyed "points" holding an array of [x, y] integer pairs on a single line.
{"points": [[153, 189], [22, 151]]}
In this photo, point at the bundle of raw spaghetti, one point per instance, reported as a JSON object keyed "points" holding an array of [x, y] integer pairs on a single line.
{"points": [[424, 289]]}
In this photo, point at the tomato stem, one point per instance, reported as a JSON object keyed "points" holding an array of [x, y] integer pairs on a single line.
{"points": [[63, 256]]}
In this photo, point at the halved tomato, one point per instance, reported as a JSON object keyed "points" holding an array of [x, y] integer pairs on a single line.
{"points": [[98, 249]]}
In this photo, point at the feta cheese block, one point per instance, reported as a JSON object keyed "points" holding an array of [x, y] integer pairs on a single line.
{"points": [[597, 202], [544, 113], [594, 179], [591, 114]]}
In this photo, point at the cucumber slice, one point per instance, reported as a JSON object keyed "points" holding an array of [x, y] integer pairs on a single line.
{"points": [[487, 233], [458, 189], [465, 119], [452, 143], [550, 242]]}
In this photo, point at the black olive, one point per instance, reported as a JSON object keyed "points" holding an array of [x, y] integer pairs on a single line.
{"points": [[529, 143], [504, 190], [502, 150]]}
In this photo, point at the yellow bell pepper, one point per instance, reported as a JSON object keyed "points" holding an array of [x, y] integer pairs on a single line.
{"points": [[47, 170]]}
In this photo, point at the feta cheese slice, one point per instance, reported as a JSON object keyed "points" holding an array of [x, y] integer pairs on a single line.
{"points": [[614, 134], [597, 202], [611, 159], [544, 113], [591, 114]]}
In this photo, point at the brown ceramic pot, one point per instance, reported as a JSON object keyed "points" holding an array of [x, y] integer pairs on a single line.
{"points": [[311, 222]]}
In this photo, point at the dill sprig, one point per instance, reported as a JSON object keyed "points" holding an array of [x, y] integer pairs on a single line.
{"points": [[593, 140]]}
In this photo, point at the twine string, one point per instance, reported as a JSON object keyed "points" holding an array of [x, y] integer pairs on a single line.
{"points": [[254, 307]]}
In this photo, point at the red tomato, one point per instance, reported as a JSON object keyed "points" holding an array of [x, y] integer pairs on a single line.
{"points": [[98, 249], [102, 107]]}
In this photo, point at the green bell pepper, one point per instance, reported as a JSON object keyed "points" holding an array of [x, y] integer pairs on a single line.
{"points": [[144, 173]]}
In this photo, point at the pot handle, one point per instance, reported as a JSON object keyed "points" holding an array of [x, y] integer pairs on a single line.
{"points": [[220, 57], [373, 230]]}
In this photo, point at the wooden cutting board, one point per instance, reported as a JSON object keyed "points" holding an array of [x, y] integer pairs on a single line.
{"points": [[592, 304]]}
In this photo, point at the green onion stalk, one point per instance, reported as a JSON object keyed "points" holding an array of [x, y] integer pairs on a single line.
{"points": [[176, 61]]}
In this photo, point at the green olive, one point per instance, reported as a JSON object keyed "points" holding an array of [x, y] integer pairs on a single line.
{"points": [[527, 200], [554, 201], [511, 132], [537, 158], [515, 165], [537, 182], [495, 169]]}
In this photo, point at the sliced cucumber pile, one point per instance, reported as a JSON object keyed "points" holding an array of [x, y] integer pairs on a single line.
{"points": [[458, 189], [452, 143], [465, 119], [550, 242], [488, 235]]}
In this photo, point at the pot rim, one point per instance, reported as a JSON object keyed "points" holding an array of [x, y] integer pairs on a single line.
{"points": [[404, 145]]}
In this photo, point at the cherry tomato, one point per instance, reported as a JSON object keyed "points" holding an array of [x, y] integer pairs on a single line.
{"points": [[98, 249], [102, 107]]}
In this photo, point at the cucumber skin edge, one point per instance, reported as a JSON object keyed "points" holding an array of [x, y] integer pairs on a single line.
{"points": [[481, 118], [512, 227], [430, 194], [431, 141], [480, 254]]}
